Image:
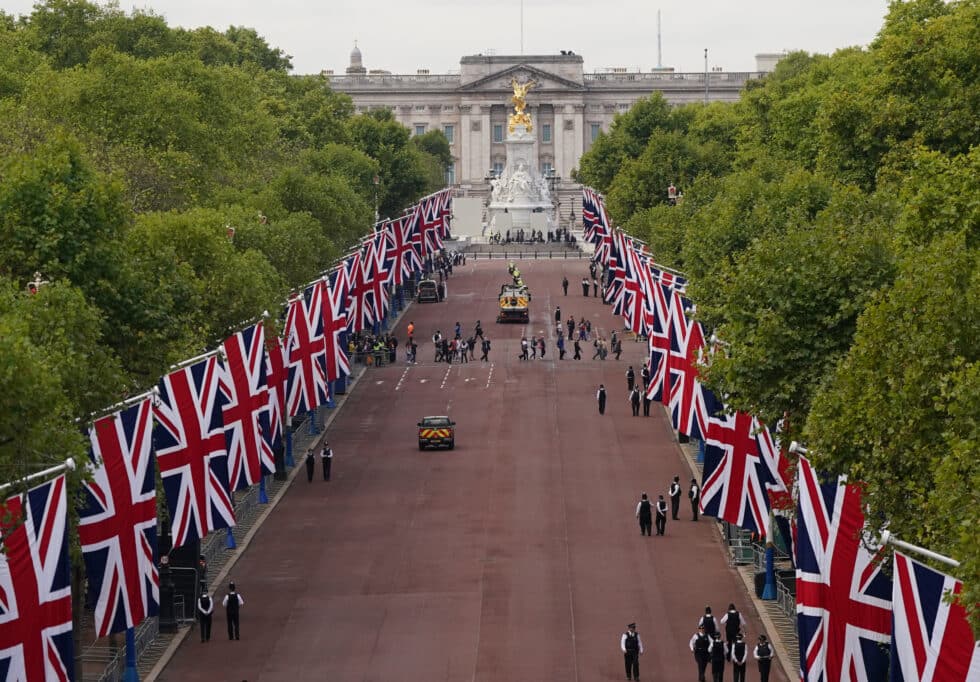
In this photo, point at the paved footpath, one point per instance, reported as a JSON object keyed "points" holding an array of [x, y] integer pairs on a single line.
{"points": [[514, 557]]}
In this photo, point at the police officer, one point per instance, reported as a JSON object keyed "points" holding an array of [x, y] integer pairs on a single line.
{"points": [[205, 607], [632, 647], [310, 465], [763, 654], [232, 603], [733, 623], [699, 645], [645, 375], [661, 515], [634, 398], [708, 622], [739, 653], [718, 653], [630, 378], [564, 285], [558, 315], [600, 395], [675, 497], [694, 494], [326, 457], [644, 515]]}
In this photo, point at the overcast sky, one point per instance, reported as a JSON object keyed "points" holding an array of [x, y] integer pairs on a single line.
{"points": [[404, 35]]}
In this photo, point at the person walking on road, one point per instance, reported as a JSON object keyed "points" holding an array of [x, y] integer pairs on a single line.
{"points": [[485, 347], [718, 654], [600, 395], [646, 404], [326, 459], [571, 326], [578, 350], [232, 603], [630, 378], [675, 497], [205, 607], [634, 398], [558, 315], [645, 376], [632, 647], [694, 495], [595, 288], [644, 515], [732, 622], [310, 465], [739, 654], [708, 622], [661, 515], [700, 644], [561, 346], [585, 287], [564, 284], [763, 654]]}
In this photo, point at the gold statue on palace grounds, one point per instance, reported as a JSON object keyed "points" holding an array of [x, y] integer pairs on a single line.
{"points": [[520, 117]]}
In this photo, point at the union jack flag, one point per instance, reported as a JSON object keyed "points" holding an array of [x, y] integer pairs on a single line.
{"points": [[737, 476], [248, 431], [404, 261], [590, 219], [445, 211], [118, 527], [334, 310], [275, 375], [686, 398], [843, 600], [306, 386], [358, 308], [931, 639], [35, 587], [668, 278], [635, 294], [189, 436], [431, 214], [373, 261], [659, 344]]}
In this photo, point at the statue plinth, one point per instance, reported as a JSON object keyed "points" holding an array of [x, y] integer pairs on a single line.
{"points": [[520, 190]]}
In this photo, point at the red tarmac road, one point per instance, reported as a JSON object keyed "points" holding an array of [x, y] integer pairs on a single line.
{"points": [[514, 557]]}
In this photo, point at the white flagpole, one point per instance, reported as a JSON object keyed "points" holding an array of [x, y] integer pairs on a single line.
{"points": [[890, 539], [69, 464]]}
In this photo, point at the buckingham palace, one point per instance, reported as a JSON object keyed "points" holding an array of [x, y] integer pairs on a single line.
{"points": [[568, 107]]}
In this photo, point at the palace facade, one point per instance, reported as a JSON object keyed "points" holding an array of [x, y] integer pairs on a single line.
{"points": [[568, 107]]}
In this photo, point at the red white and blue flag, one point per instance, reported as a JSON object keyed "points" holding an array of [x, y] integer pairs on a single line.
{"points": [[358, 307], [35, 587], [931, 636], [306, 386], [118, 526], [334, 311], [375, 265], [445, 211], [248, 431], [404, 261], [843, 600], [686, 398], [431, 224], [738, 473], [189, 437], [659, 344], [275, 376]]}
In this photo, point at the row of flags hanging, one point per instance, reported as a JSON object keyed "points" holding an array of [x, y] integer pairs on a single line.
{"points": [[212, 427], [854, 623]]}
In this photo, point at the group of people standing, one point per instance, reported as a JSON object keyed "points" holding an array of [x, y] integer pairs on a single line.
{"points": [[232, 603], [709, 648], [645, 509], [457, 348]]}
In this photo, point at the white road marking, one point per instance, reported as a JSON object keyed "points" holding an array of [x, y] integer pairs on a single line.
{"points": [[379, 382], [401, 380], [489, 376], [446, 377], [422, 381]]}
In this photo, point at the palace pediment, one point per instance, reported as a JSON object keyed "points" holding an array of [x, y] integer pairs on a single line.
{"points": [[522, 72]]}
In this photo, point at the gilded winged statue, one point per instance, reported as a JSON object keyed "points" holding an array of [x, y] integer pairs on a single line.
{"points": [[520, 117]]}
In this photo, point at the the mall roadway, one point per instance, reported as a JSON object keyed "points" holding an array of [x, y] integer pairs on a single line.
{"points": [[515, 557]]}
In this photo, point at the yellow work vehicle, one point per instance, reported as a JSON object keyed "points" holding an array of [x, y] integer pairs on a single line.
{"points": [[514, 303], [437, 431]]}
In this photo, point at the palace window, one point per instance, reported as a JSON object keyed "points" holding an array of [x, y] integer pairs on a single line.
{"points": [[451, 174], [498, 168], [596, 128], [498, 132], [546, 168], [546, 133], [420, 129], [449, 132]]}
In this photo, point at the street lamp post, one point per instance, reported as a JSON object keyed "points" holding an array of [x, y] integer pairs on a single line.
{"points": [[377, 216]]}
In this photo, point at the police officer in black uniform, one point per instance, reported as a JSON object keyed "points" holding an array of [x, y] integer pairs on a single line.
{"points": [[232, 603], [700, 644], [763, 654], [643, 513], [732, 621], [600, 395], [694, 494], [739, 653], [661, 515], [718, 651], [205, 607], [630, 378], [675, 497], [632, 647]]}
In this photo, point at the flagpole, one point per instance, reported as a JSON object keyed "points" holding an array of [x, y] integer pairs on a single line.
{"points": [[191, 361], [68, 465], [889, 539], [121, 405]]}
